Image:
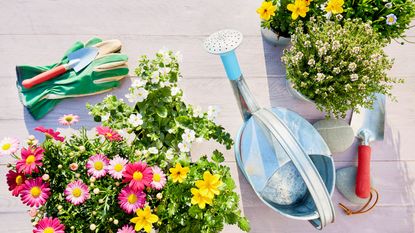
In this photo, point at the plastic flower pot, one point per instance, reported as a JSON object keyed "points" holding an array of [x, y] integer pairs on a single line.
{"points": [[273, 38]]}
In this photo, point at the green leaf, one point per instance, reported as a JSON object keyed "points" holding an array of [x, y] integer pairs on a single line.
{"points": [[243, 223], [218, 157], [161, 111]]}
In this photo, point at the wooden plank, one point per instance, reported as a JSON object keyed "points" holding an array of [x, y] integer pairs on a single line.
{"points": [[131, 17]]}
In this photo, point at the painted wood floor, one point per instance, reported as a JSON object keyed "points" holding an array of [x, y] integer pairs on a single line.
{"points": [[38, 32]]}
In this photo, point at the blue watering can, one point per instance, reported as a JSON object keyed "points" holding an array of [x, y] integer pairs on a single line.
{"points": [[281, 155]]}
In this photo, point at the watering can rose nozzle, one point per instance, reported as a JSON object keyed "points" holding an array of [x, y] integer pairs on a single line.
{"points": [[224, 43]]}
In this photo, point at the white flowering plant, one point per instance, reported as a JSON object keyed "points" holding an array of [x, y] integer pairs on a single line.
{"points": [[133, 173], [339, 67]]}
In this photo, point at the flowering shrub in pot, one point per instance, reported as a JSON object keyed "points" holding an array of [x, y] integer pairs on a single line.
{"points": [[390, 18], [133, 173], [339, 67]]}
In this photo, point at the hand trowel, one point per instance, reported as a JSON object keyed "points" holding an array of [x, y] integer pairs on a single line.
{"points": [[77, 61], [282, 156], [368, 125]]}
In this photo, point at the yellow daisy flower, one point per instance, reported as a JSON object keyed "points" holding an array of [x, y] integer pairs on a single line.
{"points": [[299, 8], [209, 186], [199, 199], [144, 219], [335, 6], [266, 10], [179, 173]]}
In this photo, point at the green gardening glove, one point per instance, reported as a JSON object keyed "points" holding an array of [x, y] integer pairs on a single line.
{"points": [[103, 74]]}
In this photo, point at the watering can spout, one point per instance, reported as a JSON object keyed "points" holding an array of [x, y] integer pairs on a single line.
{"points": [[224, 43]]}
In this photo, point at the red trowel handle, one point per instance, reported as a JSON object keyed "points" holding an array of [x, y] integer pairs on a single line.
{"points": [[363, 172], [45, 76]]}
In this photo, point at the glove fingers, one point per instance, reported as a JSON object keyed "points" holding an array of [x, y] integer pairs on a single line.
{"points": [[109, 79], [93, 41], [109, 58], [42, 108], [121, 71], [111, 66], [107, 47]]}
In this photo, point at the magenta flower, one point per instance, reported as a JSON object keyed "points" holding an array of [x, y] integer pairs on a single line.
{"points": [[108, 133], [117, 166], [50, 133], [31, 159], [97, 165], [76, 192], [15, 181], [138, 175], [49, 225], [126, 229], [35, 192], [131, 200], [159, 178]]}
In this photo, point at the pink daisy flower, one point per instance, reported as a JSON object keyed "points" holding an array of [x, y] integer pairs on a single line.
{"points": [[76, 192], [49, 225], [50, 133], [68, 119], [97, 165], [159, 178], [35, 192], [9, 146], [126, 229], [15, 181], [131, 200], [117, 166], [108, 133], [31, 159], [138, 175]]}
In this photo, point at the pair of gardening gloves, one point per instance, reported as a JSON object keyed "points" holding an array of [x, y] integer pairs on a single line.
{"points": [[101, 75]]}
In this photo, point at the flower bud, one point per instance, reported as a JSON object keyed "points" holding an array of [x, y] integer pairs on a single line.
{"points": [[96, 190], [77, 175], [82, 148], [115, 221], [92, 179], [92, 227], [101, 201], [159, 196], [45, 177], [60, 166], [60, 207]]}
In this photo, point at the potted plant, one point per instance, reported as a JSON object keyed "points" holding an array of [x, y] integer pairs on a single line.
{"points": [[133, 173], [338, 66]]}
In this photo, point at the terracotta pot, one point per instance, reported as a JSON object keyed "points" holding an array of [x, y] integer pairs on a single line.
{"points": [[272, 37]]}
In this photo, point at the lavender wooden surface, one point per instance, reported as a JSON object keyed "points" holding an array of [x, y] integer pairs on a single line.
{"points": [[38, 32]]}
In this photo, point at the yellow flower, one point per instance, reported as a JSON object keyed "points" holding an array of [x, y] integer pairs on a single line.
{"points": [[335, 6], [209, 185], [144, 219], [307, 2], [179, 173], [266, 10], [200, 199], [299, 8]]}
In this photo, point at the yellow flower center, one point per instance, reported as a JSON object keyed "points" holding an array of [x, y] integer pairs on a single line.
{"points": [[98, 165], [137, 176], [19, 180], [6, 146], [390, 19], [118, 167], [76, 192], [35, 191], [156, 177], [49, 230], [132, 198], [68, 118], [30, 159], [108, 135]]}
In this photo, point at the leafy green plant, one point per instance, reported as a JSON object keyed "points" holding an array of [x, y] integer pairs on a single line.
{"points": [[339, 67]]}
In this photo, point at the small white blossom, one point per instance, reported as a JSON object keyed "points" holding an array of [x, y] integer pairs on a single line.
{"points": [[179, 56], [391, 19], [105, 117], [212, 112], [129, 137], [311, 62], [320, 76], [336, 70], [361, 86], [96, 190], [335, 45], [135, 120], [165, 53], [137, 95], [354, 77], [347, 87], [153, 150], [356, 50], [197, 111], [352, 67], [184, 147], [175, 91], [365, 79], [138, 82], [169, 154], [164, 71], [155, 77], [189, 135], [339, 17], [92, 227]]}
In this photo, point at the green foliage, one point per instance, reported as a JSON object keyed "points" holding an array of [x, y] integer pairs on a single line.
{"points": [[339, 67]]}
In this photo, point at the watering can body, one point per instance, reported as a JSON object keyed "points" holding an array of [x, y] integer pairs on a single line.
{"points": [[282, 156]]}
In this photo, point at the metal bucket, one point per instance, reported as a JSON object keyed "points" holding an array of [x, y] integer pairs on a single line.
{"points": [[272, 38], [282, 156]]}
